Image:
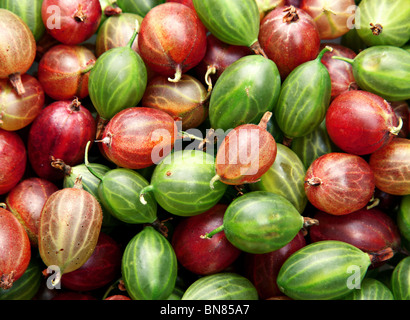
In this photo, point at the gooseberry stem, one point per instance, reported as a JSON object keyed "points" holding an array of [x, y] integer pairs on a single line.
{"points": [[213, 232], [343, 59], [134, 34], [178, 74], [87, 164], [396, 130]]}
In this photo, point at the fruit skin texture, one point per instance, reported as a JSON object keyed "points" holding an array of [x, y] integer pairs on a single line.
{"points": [[185, 100], [30, 12], [149, 266], [233, 22], [203, 256], [219, 55], [18, 111], [70, 224], [383, 70], [62, 131], [138, 137], [289, 43], [246, 90], [360, 122], [117, 32], [15, 250], [260, 222], [263, 269], [320, 271], [180, 183], [339, 183], [341, 74], [286, 177], [62, 71], [400, 280], [71, 22], [246, 153], [117, 81], [221, 286], [370, 230], [13, 160], [176, 27], [26, 200], [18, 48], [371, 289], [391, 167], [102, 268], [331, 17], [304, 98], [392, 16], [403, 217]]}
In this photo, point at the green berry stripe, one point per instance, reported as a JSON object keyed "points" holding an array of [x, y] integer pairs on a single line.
{"points": [[321, 271], [371, 289], [233, 22], [221, 286], [119, 193], [285, 177], [140, 7], [149, 266], [391, 16], [247, 89], [261, 222], [304, 98], [400, 280], [180, 183]]}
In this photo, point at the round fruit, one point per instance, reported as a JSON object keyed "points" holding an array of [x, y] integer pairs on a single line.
{"points": [[263, 269], [102, 268], [26, 200], [149, 266], [233, 22], [383, 22], [360, 122], [289, 37], [203, 256], [390, 165], [260, 222], [333, 18], [285, 177], [17, 48], [60, 131], [70, 224], [341, 74], [177, 28], [117, 32], [180, 183], [15, 250], [185, 100], [323, 270], [30, 12], [339, 183], [370, 230], [13, 160], [241, 95], [138, 137], [71, 21], [18, 111], [245, 154], [63, 71], [382, 70], [221, 286]]}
